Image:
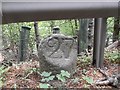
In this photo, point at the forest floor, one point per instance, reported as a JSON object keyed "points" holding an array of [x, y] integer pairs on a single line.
{"points": [[19, 76]]}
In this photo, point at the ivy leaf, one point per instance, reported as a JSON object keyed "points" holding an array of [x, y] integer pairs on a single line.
{"points": [[84, 71], [43, 80], [2, 70], [65, 73], [47, 79], [76, 80], [60, 77], [46, 74], [1, 83], [88, 79], [44, 85], [51, 77], [95, 72]]}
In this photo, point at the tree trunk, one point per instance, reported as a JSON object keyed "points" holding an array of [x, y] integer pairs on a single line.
{"points": [[73, 33], [37, 35], [113, 45], [116, 29], [76, 24], [90, 34], [1, 39], [1, 57]]}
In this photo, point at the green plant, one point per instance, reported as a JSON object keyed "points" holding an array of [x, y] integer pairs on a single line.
{"points": [[88, 79], [1, 82], [2, 71], [84, 71], [46, 76], [94, 72], [63, 75], [113, 56], [44, 85], [15, 86], [32, 70], [84, 60], [75, 80], [86, 86], [47, 79]]}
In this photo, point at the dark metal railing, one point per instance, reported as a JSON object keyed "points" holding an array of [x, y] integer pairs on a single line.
{"points": [[35, 11]]}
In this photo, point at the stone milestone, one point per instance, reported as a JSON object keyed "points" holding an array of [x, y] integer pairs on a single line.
{"points": [[58, 52]]}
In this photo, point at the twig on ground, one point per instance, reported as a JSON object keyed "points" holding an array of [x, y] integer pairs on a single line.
{"points": [[113, 80]]}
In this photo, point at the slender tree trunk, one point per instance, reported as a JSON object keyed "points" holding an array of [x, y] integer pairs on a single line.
{"points": [[76, 24], [1, 41], [72, 27], [116, 29], [0, 15], [1, 57], [90, 33], [37, 35]]}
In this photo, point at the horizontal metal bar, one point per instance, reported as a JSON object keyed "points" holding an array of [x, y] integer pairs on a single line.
{"points": [[35, 11]]}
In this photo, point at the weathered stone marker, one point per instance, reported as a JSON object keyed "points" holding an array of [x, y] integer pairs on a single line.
{"points": [[58, 52], [56, 30]]}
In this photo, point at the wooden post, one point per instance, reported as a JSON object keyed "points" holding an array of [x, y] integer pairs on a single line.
{"points": [[82, 36], [24, 37]]}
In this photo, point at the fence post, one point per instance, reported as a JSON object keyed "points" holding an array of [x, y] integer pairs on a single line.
{"points": [[24, 37], [82, 35], [99, 41]]}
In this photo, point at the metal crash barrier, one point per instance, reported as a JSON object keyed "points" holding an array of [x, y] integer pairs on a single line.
{"points": [[39, 11]]}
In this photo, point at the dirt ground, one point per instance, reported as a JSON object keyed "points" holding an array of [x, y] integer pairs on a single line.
{"points": [[18, 77]]}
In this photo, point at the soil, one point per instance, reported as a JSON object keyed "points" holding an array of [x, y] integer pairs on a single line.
{"points": [[18, 76]]}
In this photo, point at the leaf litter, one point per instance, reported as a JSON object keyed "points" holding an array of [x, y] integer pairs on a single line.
{"points": [[84, 77]]}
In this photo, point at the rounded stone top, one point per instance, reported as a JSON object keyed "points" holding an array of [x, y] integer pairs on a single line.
{"points": [[26, 27], [56, 30]]}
